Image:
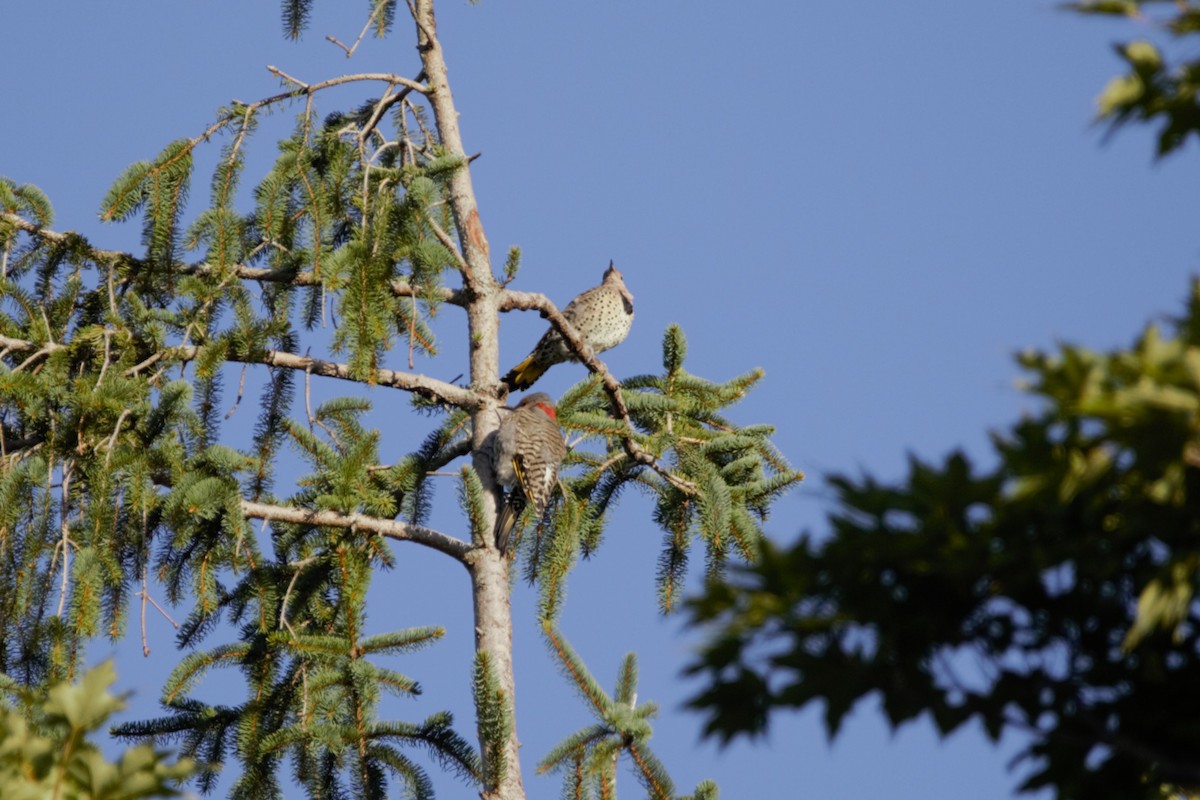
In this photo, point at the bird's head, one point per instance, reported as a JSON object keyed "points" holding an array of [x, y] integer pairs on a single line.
{"points": [[613, 278], [541, 401]]}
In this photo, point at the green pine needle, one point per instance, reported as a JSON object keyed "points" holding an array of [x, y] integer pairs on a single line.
{"points": [[493, 709], [588, 757], [674, 349], [472, 499]]}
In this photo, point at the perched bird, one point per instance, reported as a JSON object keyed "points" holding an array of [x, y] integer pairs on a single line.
{"points": [[602, 316], [527, 451]]}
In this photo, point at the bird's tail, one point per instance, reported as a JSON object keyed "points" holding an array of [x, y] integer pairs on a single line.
{"points": [[509, 514], [523, 375]]}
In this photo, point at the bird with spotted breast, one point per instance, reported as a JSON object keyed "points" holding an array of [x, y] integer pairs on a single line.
{"points": [[602, 315], [526, 454]]}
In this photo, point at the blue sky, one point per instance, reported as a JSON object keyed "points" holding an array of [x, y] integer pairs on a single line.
{"points": [[878, 203]]}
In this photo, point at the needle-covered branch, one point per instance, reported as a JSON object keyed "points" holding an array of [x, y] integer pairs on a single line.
{"points": [[680, 418], [533, 301], [588, 757], [116, 258]]}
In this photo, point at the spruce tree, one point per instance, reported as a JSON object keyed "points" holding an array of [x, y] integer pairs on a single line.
{"points": [[116, 370]]}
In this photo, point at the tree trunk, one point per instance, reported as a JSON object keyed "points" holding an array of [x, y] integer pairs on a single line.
{"points": [[493, 634], [488, 567]]}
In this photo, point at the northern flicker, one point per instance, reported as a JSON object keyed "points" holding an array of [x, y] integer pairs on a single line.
{"points": [[527, 451], [602, 316]]}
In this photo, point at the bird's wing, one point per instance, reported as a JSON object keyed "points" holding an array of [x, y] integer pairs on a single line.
{"points": [[580, 299], [518, 465]]}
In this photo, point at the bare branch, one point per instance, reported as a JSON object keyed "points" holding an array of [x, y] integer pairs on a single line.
{"points": [[308, 398], [366, 27], [66, 535], [277, 72], [383, 77], [49, 348], [241, 391], [308, 90], [24, 345], [241, 137], [112, 440], [283, 605], [163, 611], [338, 42], [16, 450], [448, 243], [134, 370], [456, 450], [104, 363], [459, 449], [145, 596], [383, 105], [98, 255], [389, 528], [410, 382]]}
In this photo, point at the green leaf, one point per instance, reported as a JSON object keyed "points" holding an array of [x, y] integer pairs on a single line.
{"points": [[1144, 56], [1121, 93], [1163, 604], [1128, 8], [86, 705]]}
